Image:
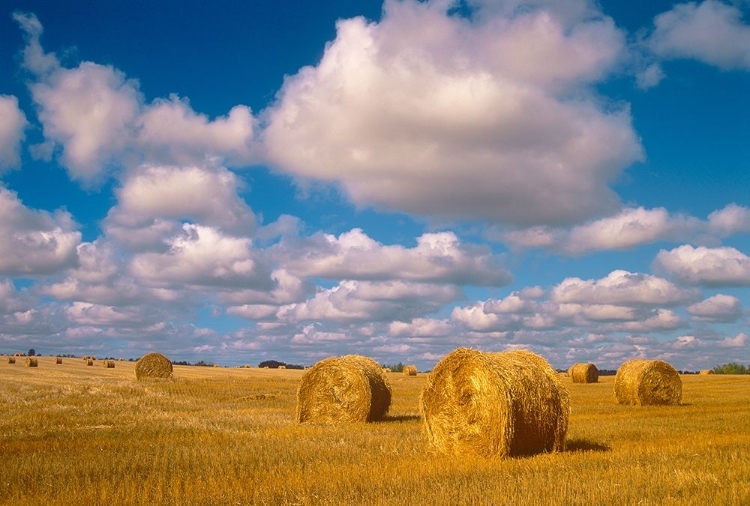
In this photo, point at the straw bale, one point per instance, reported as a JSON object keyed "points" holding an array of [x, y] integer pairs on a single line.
{"points": [[494, 404], [344, 389], [647, 382], [11, 360], [282, 367], [89, 362], [410, 370], [706, 371], [153, 366], [58, 360], [109, 364], [32, 362], [584, 373]]}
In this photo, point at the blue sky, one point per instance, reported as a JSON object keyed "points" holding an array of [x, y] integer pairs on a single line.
{"points": [[244, 181]]}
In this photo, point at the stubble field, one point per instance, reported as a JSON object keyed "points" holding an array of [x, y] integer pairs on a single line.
{"points": [[77, 434]]}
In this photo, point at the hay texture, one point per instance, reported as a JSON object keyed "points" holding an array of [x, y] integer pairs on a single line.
{"points": [[109, 364], [494, 404], [410, 370], [32, 362], [584, 373], [153, 366], [89, 362], [647, 383], [344, 389], [58, 360], [11, 360]]}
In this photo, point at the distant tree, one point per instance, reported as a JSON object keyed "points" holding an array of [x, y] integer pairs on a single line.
{"points": [[731, 368], [32, 352], [395, 367], [274, 364]]}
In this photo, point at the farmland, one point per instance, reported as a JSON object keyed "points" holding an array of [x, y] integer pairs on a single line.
{"points": [[78, 434]]}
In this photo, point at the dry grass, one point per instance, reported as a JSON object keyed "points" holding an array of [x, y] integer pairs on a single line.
{"points": [[351, 388], [153, 366], [495, 404], [647, 383], [583, 373]]}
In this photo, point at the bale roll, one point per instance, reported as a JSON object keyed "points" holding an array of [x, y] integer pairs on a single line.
{"points": [[410, 370], [58, 360], [647, 383], [584, 373], [705, 372], [344, 389], [109, 364], [153, 366], [11, 360], [494, 404], [89, 362], [32, 362]]}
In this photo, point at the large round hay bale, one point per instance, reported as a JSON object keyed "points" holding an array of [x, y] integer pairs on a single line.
{"points": [[153, 366], [109, 364], [584, 373], [647, 382], [410, 370], [351, 388], [32, 362], [494, 404]]}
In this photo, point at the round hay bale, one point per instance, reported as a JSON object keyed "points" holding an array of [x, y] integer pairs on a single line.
{"points": [[351, 388], [281, 367], [704, 372], [647, 383], [11, 360], [109, 364], [58, 360], [410, 370], [153, 366], [89, 362], [32, 362], [494, 404], [584, 373]]}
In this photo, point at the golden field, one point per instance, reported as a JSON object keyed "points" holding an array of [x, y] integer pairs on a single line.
{"points": [[89, 435]]}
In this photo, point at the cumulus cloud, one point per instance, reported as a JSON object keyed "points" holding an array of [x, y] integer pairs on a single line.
{"points": [[723, 266], [621, 287], [719, 308], [99, 118], [12, 125], [710, 31], [11, 301], [437, 257], [438, 115], [33, 241], [738, 341], [732, 219]]}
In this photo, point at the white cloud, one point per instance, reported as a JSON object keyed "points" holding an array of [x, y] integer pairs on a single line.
{"points": [[437, 115], [84, 313], [650, 76], [732, 219], [738, 341], [621, 287], [12, 125], [437, 257], [719, 308], [710, 31], [202, 256], [708, 266], [421, 327], [658, 320], [11, 301], [34, 242]]}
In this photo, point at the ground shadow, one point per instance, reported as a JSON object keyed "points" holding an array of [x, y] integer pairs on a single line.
{"points": [[586, 445], [400, 418]]}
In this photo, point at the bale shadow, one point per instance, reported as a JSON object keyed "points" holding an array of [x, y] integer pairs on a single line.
{"points": [[400, 418], [586, 445]]}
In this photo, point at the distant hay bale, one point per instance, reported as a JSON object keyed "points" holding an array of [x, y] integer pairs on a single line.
{"points": [[32, 362], [109, 364], [584, 373], [344, 389], [58, 360], [706, 371], [386, 369], [89, 362], [647, 383], [282, 367], [121, 359], [153, 366], [11, 360], [494, 404], [409, 370]]}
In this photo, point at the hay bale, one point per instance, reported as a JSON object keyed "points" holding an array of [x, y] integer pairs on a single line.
{"points": [[89, 362], [11, 360], [584, 373], [109, 364], [409, 370], [386, 369], [647, 383], [494, 404], [704, 372], [282, 367], [351, 388], [58, 360], [32, 362], [153, 366]]}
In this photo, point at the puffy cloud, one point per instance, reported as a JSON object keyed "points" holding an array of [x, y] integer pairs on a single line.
{"points": [[738, 341], [421, 327], [371, 301], [34, 242], [710, 31], [708, 266], [658, 320], [85, 313], [437, 257], [287, 288], [621, 287], [719, 308], [12, 125], [202, 256], [98, 116], [12, 301], [434, 114], [732, 219]]}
